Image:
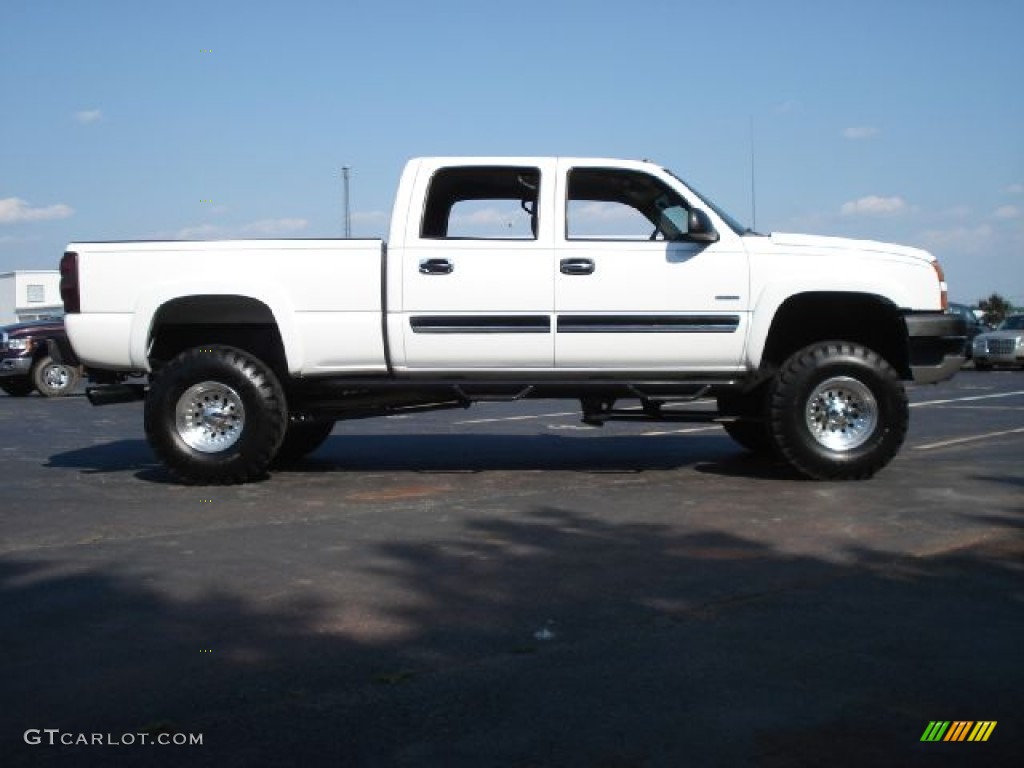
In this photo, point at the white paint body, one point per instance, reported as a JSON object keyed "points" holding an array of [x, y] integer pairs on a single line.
{"points": [[324, 295], [327, 300]]}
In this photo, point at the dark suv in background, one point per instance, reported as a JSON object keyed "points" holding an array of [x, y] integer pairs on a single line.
{"points": [[974, 325], [26, 362]]}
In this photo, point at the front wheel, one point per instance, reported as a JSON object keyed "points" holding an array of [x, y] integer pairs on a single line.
{"points": [[216, 416], [17, 386], [748, 424], [838, 411], [752, 435]]}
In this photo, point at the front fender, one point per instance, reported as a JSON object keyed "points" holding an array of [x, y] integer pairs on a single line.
{"points": [[774, 296]]}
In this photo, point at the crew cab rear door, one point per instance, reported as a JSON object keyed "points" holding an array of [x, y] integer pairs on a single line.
{"points": [[633, 290], [477, 283]]}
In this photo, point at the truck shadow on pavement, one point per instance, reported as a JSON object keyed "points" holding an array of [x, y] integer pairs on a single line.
{"points": [[554, 638], [604, 453], [467, 453], [113, 456]]}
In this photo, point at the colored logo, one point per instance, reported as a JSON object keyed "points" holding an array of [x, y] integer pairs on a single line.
{"points": [[958, 730]]}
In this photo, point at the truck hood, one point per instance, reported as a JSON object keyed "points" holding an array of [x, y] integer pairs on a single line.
{"points": [[834, 244]]}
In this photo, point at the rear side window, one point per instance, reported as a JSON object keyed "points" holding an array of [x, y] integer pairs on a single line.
{"points": [[482, 203]]}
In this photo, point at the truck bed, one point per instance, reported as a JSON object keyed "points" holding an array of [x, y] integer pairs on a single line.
{"points": [[324, 296]]}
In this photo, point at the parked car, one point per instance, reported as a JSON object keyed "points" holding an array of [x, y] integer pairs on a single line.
{"points": [[26, 362], [973, 325], [1003, 346]]}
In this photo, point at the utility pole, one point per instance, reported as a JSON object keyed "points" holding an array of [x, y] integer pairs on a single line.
{"points": [[753, 181], [348, 213]]}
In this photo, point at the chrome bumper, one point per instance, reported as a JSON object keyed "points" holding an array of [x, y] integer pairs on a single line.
{"points": [[15, 366]]}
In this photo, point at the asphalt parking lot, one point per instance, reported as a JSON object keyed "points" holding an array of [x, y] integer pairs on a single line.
{"points": [[504, 586]]}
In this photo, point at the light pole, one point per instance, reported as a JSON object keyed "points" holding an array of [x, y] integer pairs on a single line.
{"points": [[348, 214], [753, 182]]}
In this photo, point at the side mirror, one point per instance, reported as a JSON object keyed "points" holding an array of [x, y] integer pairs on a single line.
{"points": [[699, 228]]}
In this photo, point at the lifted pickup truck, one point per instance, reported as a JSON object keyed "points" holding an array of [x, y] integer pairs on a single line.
{"points": [[508, 278]]}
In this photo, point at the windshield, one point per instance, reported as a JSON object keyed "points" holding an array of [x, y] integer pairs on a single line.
{"points": [[732, 223], [1013, 323]]}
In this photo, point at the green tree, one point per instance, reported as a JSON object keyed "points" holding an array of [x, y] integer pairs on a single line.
{"points": [[995, 308]]}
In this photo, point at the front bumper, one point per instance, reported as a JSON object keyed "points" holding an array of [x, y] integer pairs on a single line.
{"points": [[15, 366], [936, 342]]}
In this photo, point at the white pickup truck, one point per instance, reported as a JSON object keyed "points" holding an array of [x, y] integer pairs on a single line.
{"points": [[507, 278]]}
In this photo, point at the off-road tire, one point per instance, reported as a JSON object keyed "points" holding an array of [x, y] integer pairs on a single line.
{"points": [[752, 435], [837, 411], [216, 416], [300, 440], [17, 386], [750, 427], [53, 379]]}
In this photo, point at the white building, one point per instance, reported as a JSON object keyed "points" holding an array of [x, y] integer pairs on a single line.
{"points": [[29, 295]]}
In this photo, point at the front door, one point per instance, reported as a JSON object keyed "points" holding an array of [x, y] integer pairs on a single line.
{"points": [[632, 290]]}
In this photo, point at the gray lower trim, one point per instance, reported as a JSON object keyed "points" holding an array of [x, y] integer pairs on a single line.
{"points": [[648, 323], [480, 324], [932, 374]]}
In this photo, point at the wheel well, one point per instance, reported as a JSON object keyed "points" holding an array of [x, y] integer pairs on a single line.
{"points": [[864, 319], [235, 321]]}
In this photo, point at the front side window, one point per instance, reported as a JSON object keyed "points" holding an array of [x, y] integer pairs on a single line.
{"points": [[614, 204], [482, 203]]}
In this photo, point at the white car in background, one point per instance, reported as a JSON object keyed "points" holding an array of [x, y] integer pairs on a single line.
{"points": [[1003, 346]]}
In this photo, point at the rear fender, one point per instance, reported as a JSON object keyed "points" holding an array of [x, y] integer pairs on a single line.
{"points": [[275, 300]]}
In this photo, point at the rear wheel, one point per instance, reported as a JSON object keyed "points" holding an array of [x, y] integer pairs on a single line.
{"points": [[301, 439], [17, 386], [838, 411], [216, 416], [982, 366]]}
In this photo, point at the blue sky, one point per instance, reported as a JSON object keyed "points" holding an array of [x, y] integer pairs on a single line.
{"points": [[900, 120]]}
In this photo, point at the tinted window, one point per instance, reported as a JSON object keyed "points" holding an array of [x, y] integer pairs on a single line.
{"points": [[611, 204], [482, 203]]}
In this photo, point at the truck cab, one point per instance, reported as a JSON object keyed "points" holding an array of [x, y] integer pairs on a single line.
{"points": [[543, 265]]}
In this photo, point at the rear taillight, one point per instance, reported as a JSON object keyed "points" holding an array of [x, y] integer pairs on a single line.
{"points": [[943, 288], [69, 283]]}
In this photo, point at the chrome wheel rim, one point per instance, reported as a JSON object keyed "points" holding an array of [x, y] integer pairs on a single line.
{"points": [[841, 413], [209, 417], [56, 376]]}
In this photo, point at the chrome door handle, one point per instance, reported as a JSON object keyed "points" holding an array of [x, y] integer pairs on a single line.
{"points": [[576, 266], [436, 267]]}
